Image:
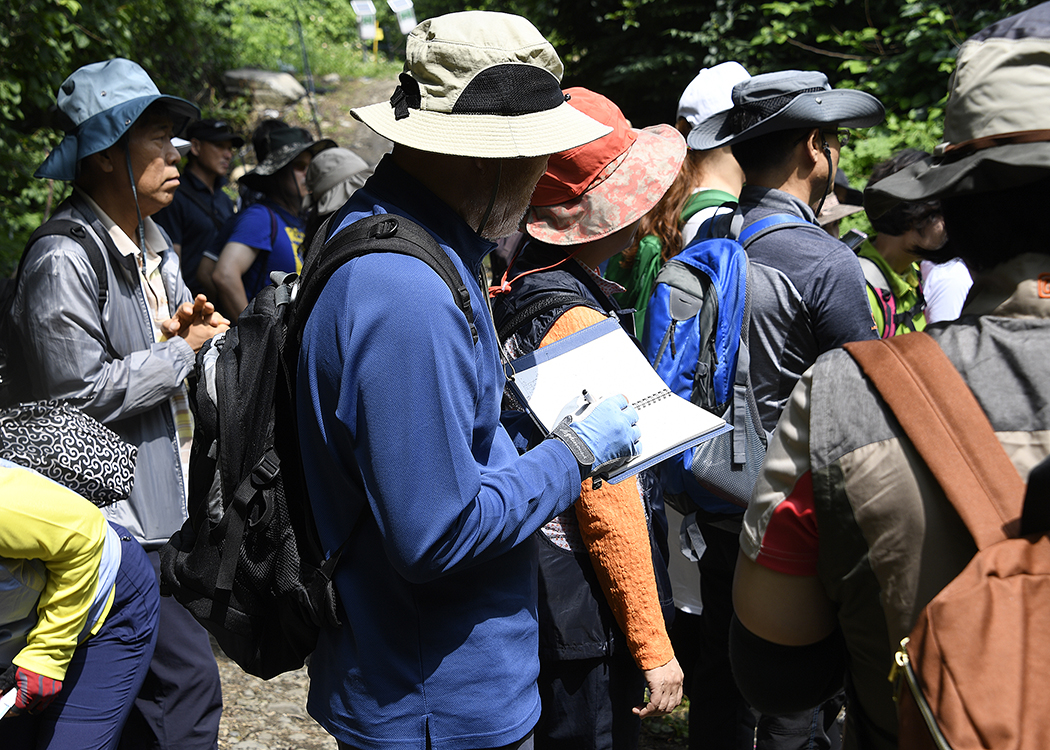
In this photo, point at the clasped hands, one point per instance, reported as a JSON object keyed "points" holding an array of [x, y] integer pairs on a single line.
{"points": [[196, 322]]}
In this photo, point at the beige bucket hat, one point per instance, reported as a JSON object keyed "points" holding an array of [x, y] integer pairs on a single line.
{"points": [[480, 84], [995, 124]]}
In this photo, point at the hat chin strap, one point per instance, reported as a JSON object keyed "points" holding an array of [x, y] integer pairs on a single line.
{"points": [[831, 178], [492, 197], [135, 196]]}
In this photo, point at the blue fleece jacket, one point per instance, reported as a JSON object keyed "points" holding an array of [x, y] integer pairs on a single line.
{"points": [[438, 584]]}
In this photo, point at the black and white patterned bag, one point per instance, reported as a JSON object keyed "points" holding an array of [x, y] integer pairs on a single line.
{"points": [[64, 444]]}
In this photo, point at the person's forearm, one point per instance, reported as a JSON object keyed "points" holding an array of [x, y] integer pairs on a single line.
{"points": [[612, 523], [230, 288]]}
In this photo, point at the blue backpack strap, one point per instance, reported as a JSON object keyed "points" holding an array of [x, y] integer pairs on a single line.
{"points": [[771, 223]]}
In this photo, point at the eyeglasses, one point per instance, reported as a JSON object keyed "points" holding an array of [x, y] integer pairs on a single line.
{"points": [[841, 134]]}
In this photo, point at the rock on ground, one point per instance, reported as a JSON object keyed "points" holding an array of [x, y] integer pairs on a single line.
{"points": [[333, 106]]}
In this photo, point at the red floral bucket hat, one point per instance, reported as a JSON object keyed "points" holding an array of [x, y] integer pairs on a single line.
{"points": [[593, 190]]}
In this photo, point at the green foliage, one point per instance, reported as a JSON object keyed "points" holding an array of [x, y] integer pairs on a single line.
{"points": [[640, 53], [267, 36], [43, 41]]}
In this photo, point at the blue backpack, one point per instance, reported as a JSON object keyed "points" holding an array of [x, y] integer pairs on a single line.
{"points": [[696, 336]]}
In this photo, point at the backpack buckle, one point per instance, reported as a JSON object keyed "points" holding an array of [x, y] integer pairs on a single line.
{"points": [[385, 228], [264, 472]]}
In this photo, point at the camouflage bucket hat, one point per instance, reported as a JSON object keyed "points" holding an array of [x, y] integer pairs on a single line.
{"points": [[598, 188]]}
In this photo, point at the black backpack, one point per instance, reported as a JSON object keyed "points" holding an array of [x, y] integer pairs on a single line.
{"points": [[14, 379], [248, 563]]}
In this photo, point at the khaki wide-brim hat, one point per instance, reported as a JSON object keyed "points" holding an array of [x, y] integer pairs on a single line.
{"points": [[480, 84], [995, 129], [333, 176]]}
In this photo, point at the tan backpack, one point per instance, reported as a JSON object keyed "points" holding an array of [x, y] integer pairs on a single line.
{"points": [[975, 671]]}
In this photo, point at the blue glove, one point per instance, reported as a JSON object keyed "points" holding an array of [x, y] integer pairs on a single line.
{"points": [[604, 439]]}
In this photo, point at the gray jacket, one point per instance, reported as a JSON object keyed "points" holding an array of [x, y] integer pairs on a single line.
{"points": [[64, 340], [808, 297]]}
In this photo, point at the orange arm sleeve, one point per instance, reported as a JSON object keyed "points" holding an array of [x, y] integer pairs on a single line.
{"points": [[612, 523]]}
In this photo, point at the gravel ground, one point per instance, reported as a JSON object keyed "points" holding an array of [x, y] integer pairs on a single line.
{"points": [[266, 714]]}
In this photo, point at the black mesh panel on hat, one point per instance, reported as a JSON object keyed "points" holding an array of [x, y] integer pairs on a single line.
{"points": [[510, 89], [751, 113]]}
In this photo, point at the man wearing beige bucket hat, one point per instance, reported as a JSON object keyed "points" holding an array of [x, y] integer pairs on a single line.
{"points": [[848, 535], [602, 632], [439, 643]]}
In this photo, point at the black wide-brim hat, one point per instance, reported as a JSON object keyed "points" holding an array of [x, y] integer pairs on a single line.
{"points": [[785, 100], [285, 146], [995, 124]]}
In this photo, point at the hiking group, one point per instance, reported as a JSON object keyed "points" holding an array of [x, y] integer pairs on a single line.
{"points": [[313, 474]]}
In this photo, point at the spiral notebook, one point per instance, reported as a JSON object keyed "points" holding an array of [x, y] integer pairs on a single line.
{"points": [[571, 374]]}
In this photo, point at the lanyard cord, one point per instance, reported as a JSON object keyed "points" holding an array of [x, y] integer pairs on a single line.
{"points": [[135, 197], [505, 285]]}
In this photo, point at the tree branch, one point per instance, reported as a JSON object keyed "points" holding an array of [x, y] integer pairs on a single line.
{"points": [[826, 53]]}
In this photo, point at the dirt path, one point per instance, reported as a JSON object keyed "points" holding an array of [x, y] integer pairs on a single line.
{"points": [[333, 107]]}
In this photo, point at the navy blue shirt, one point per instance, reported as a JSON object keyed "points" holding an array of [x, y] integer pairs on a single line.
{"points": [[193, 220]]}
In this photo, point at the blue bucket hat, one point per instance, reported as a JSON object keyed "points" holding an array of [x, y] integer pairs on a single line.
{"points": [[103, 100]]}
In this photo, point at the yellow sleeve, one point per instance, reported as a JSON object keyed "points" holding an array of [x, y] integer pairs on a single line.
{"points": [[612, 523], [45, 521]]}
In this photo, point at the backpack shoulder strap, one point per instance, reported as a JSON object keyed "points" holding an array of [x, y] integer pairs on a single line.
{"points": [[943, 420], [771, 223], [382, 233], [78, 233], [873, 274], [721, 225], [547, 303], [705, 199]]}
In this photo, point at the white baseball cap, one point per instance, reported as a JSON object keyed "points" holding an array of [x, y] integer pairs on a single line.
{"points": [[710, 92]]}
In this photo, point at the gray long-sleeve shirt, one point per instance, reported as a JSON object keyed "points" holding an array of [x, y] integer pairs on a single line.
{"points": [[808, 297]]}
